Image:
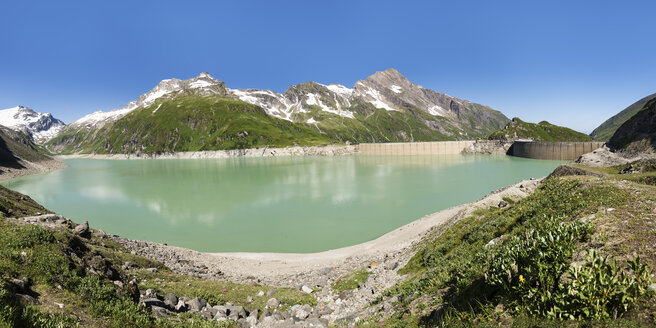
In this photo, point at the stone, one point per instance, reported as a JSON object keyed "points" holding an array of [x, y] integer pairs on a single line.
{"points": [[150, 302], [170, 300], [502, 204], [150, 293], [271, 292], [260, 293], [159, 312], [83, 230], [272, 303], [26, 299], [391, 265], [249, 299], [197, 304], [236, 312], [181, 306], [153, 270], [300, 312], [128, 265], [118, 283], [251, 321], [307, 289], [21, 284]]}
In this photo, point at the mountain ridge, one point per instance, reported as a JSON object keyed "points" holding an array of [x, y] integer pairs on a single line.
{"points": [[40, 127], [385, 107], [606, 129]]}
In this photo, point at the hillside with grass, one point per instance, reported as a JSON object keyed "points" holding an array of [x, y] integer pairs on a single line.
{"points": [[543, 131], [606, 130], [188, 123], [575, 253], [55, 273], [638, 134]]}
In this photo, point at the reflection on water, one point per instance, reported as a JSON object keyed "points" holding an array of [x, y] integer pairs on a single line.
{"points": [[278, 204]]}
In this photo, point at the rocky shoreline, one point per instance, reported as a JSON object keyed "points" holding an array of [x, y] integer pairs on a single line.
{"points": [[330, 150], [315, 273], [30, 168]]}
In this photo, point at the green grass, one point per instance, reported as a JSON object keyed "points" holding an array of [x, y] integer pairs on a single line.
{"points": [[220, 292], [606, 130], [454, 267], [543, 131], [350, 281], [60, 267], [190, 123], [193, 123]]}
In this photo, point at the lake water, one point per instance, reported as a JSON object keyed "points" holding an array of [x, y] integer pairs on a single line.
{"points": [[276, 204]]}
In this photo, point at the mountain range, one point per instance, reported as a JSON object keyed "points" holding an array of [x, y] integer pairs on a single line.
{"points": [[202, 113], [38, 126]]}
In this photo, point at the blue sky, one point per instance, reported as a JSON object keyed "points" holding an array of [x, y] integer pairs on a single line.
{"points": [[573, 63]]}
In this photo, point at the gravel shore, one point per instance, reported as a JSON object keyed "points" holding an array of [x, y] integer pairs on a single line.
{"points": [[253, 152]]}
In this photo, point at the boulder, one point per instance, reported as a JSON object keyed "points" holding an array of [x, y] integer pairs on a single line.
{"points": [[272, 303], [181, 306], [159, 312], [171, 300], [197, 304], [83, 230], [150, 302]]}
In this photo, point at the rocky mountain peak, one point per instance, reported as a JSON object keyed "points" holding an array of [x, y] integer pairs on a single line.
{"points": [[38, 126]]}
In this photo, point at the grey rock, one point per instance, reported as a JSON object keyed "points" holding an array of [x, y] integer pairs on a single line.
{"points": [[171, 300], [236, 312], [83, 230], [391, 265], [21, 284], [26, 299], [272, 303], [502, 204], [150, 302], [197, 304], [260, 293], [307, 289], [181, 306], [159, 312]]}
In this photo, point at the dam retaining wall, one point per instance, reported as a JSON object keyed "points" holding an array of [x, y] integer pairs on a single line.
{"points": [[566, 151], [414, 148]]}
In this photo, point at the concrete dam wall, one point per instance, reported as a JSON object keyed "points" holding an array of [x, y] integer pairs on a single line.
{"points": [[566, 151], [414, 148]]}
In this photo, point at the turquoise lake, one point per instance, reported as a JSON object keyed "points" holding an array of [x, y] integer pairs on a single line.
{"points": [[274, 204]]}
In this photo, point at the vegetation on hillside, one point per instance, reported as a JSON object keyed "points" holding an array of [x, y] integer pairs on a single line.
{"points": [[189, 123], [55, 278], [638, 134], [194, 123], [606, 130], [15, 146], [575, 250], [543, 131]]}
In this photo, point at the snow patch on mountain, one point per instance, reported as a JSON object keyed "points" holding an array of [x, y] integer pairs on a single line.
{"points": [[204, 84], [40, 127]]}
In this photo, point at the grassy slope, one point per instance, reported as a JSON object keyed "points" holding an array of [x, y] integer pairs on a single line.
{"points": [[456, 280], [57, 276], [638, 134], [606, 130], [191, 123], [543, 131], [14, 144]]}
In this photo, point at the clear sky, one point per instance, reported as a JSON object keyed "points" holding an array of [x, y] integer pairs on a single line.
{"points": [[573, 63]]}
